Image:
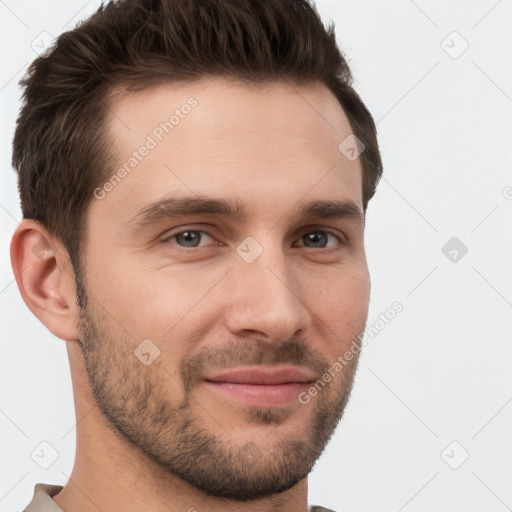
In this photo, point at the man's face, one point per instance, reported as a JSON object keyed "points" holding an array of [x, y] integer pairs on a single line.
{"points": [[177, 298]]}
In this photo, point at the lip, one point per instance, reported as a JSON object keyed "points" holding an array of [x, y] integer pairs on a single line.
{"points": [[262, 376], [261, 387]]}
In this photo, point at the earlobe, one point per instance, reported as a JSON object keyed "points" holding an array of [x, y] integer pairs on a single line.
{"points": [[45, 278]]}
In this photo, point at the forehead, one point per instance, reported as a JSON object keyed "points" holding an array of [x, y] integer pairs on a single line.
{"points": [[264, 144]]}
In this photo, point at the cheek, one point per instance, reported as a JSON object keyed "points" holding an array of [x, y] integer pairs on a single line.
{"points": [[182, 301], [159, 303], [341, 302]]}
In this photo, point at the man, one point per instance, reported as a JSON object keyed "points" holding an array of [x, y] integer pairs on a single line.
{"points": [[194, 178]]}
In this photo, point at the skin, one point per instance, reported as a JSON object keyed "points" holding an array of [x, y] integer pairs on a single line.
{"points": [[155, 437]]}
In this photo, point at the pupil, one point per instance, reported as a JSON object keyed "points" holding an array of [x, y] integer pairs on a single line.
{"points": [[316, 237], [189, 238]]}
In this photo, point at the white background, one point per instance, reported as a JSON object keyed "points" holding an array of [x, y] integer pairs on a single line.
{"points": [[440, 371]]}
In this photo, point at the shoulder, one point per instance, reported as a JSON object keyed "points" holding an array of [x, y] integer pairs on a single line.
{"points": [[317, 508], [42, 498]]}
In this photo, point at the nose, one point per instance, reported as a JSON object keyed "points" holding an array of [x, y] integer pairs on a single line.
{"points": [[266, 299]]}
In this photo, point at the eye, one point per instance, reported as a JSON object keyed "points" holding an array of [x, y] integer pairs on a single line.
{"points": [[319, 239], [191, 238], [188, 238]]}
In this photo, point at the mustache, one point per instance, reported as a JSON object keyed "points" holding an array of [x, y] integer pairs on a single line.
{"points": [[252, 353]]}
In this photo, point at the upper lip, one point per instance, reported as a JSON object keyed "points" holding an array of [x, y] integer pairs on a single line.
{"points": [[258, 375]]}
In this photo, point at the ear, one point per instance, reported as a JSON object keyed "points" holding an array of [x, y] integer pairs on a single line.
{"points": [[45, 278]]}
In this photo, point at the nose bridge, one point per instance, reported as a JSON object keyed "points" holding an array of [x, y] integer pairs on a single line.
{"points": [[267, 296]]}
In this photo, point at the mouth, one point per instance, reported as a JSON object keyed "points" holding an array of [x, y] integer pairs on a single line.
{"points": [[261, 387]]}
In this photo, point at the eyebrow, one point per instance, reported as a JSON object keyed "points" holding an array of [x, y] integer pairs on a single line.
{"points": [[172, 207]]}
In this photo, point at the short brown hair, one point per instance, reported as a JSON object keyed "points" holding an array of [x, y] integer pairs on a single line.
{"points": [[61, 144]]}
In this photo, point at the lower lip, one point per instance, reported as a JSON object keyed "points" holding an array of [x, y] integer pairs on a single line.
{"points": [[261, 395]]}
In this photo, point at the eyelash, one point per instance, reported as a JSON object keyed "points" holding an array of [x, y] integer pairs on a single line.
{"points": [[340, 240]]}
